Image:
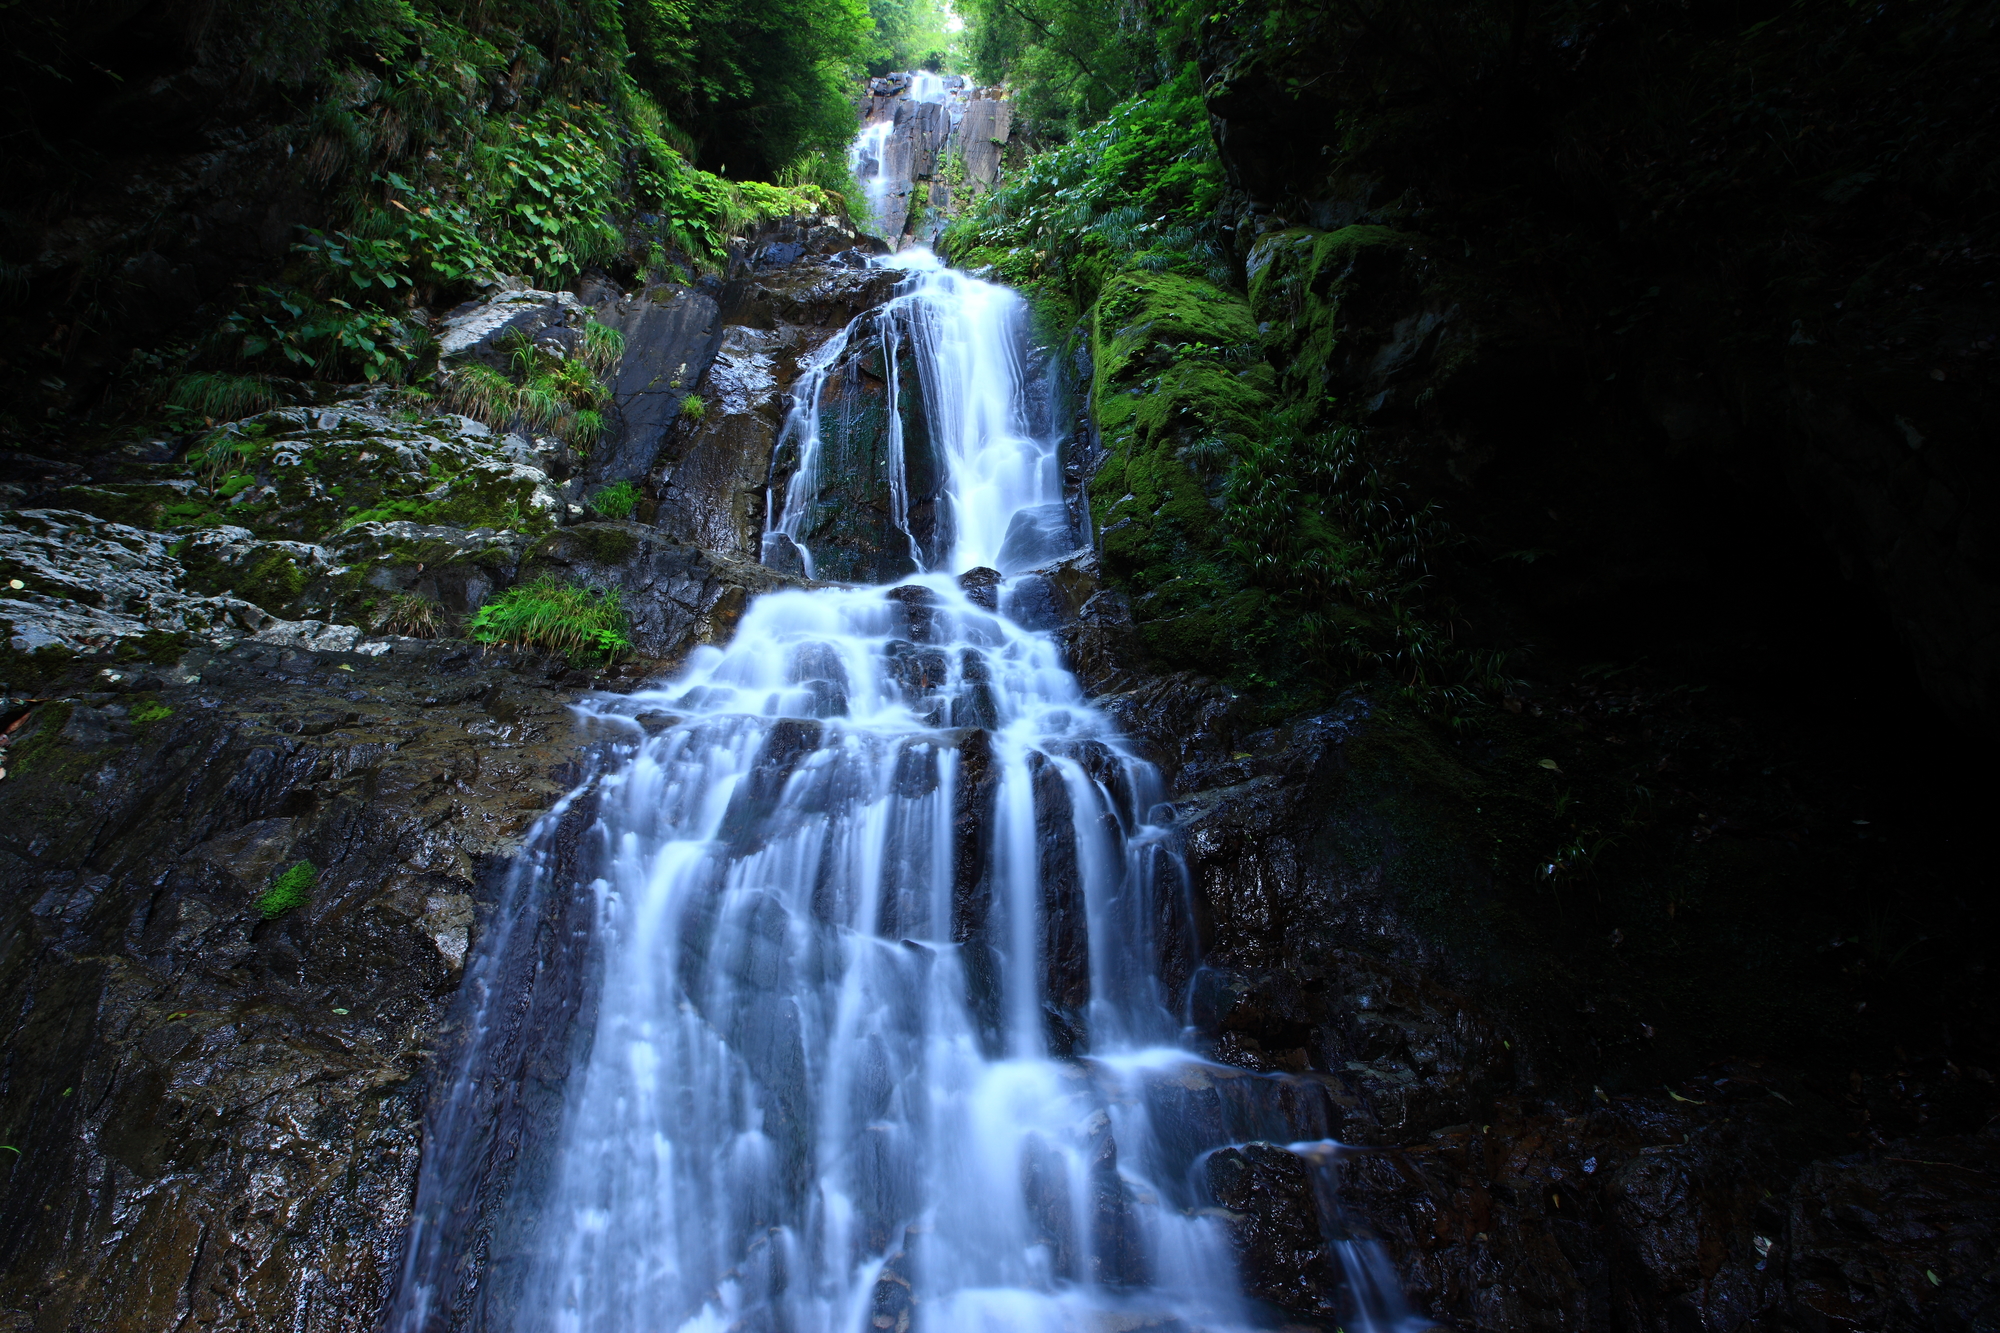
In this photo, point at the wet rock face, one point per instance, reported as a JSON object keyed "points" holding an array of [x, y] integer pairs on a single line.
{"points": [[792, 287], [217, 1115], [1273, 1217], [870, 416], [1507, 1193], [674, 595], [671, 336]]}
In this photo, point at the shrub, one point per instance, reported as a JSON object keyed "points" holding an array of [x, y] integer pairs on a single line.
{"points": [[581, 623], [617, 500], [292, 888]]}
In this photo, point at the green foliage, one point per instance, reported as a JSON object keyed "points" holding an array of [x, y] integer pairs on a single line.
{"points": [[411, 615], [1138, 189], [1072, 60], [912, 34], [693, 408], [583, 624], [291, 888], [1258, 536], [554, 176], [437, 189], [330, 339], [220, 396], [617, 500], [754, 84]]}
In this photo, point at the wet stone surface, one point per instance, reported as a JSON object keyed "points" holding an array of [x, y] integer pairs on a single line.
{"points": [[214, 1116]]}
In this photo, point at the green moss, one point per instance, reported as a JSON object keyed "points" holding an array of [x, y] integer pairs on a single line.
{"points": [[1178, 396], [31, 752], [1329, 300], [271, 578], [604, 545], [149, 710], [31, 671], [138, 505], [291, 888], [160, 647]]}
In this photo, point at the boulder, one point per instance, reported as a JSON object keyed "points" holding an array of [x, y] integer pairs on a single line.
{"points": [[483, 330], [671, 336]]}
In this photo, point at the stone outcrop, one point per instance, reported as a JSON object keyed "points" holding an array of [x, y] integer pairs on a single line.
{"points": [[791, 293], [488, 330], [928, 144], [676, 595], [214, 1116]]}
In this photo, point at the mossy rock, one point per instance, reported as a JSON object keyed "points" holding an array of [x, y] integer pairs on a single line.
{"points": [[32, 670], [154, 505], [283, 578], [1353, 311], [1179, 393], [311, 476]]}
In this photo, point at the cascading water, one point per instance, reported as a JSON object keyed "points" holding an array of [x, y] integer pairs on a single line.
{"points": [[888, 939], [871, 156], [1003, 505]]}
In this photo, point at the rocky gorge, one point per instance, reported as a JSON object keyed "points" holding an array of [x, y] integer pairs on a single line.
{"points": [[1637, 1001]]}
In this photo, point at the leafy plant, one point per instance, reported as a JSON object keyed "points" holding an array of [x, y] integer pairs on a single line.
{"points": [[581, 623], [292, 888], [617, 500], [693, 408]]}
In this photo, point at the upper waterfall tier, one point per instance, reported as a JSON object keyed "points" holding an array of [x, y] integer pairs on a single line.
{"points": [[916, 441], [927, 142]]}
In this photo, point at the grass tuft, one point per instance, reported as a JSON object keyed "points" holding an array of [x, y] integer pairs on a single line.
{"points": [[411, 615], [219, 396], [482, 393], [584, 624], [603, 347], [693, 408]]}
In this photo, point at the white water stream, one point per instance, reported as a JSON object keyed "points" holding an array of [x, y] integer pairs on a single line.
{"points": [[879, 1029]]}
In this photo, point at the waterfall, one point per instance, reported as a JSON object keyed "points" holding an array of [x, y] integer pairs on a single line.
{"points": [[1002, 505], [885, 945], [879, 159]]}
